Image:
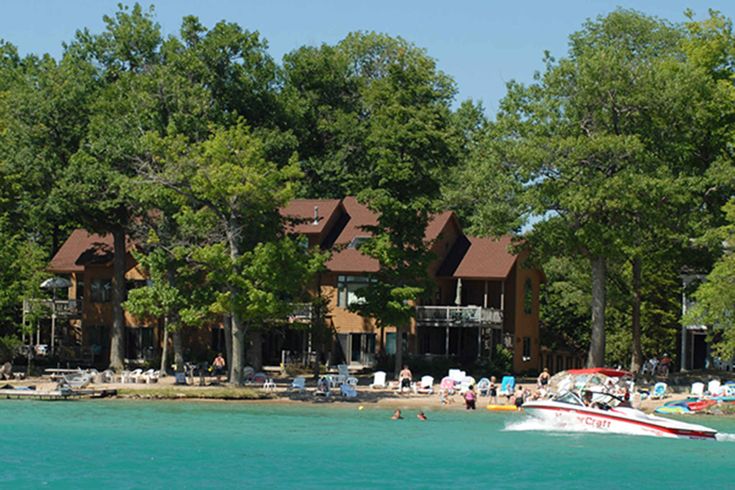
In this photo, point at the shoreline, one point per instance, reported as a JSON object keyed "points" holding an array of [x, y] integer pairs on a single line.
{"points": [[165, 390]]}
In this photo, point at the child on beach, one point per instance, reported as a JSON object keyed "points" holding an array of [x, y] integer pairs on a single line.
{"points": [[470, 398], [493, 391]]}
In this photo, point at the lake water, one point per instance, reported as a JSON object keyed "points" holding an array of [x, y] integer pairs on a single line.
{"points": [[126, 444]]}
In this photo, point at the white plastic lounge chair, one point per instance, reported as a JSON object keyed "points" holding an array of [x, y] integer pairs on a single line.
{"points": [[425, 386], [697, 389], [466, 383], [659, 390], [457, 375], [152, 376], [135, 376], [143, 378], [483, 387], [269, 385], [298, 384], [378, 380], [507, 386], [714, 387], [76, 380]]}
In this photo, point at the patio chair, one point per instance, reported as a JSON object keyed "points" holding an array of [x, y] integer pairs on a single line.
{"points": [[343, 372], [659, 390], [378, 380], [483, 387], [152, 376], [135, 376], [347, 390], [714, 387], [76, 380], [457, 375], [464, 386], [269, 385], [697, 389], [352, 381], [425, 386], [143, 378], [298, 384], [507, 386]]}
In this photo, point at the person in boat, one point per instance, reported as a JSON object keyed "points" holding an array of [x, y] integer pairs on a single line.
{"points": [[543, 379], [397, 415], [404, 378], [421, 415], [470, 398], [587, 398]]}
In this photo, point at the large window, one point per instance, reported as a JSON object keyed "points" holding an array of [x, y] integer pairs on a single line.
{"points": [[101, 290], [347, 287], [528, 297], [139, 343]]}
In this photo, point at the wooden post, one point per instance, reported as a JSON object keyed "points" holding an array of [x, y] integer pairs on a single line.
{"points": [[446, 344], [484, 299]]}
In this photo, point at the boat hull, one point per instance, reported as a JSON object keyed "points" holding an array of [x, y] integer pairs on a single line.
{"points": [[615, 420]]}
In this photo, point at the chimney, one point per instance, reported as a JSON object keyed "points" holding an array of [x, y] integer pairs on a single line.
{"points": [[316, 216]]}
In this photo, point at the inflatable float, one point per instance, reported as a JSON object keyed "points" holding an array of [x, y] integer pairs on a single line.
{"points": [[502, 408]]}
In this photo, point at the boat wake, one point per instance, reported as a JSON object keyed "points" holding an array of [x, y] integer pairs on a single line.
{"points": [[560, 426], [726, 437]]}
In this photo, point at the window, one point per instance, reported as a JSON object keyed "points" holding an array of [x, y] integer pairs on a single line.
{"points": [[139, 343], [528, 297], [101, 290], [347, 287], [526, 349], [357, 241]]}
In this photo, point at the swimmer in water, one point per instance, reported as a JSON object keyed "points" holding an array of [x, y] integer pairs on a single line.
{"points": [[397, 415], [421, 415]]}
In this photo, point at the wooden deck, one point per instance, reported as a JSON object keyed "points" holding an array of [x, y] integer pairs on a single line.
{"points": [[54, 395]]}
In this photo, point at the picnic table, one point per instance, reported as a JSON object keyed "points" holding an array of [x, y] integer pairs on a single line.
{"points": [[57, 374]]}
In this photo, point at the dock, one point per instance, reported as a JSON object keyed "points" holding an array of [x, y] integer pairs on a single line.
{"points": [[54, 395]]}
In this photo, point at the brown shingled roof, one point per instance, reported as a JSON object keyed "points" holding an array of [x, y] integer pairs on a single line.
{"points": [[479, 258], [79, 242], [302, 212]]}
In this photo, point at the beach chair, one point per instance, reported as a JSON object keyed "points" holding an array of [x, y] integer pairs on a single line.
{"points": [[457, 375], [507, 386], [152, 376], [269, 384], [343, 372], [76, 380], [298, 384], [378, 380], [465, 384], [352, 381], [347, 390], [697, 389], [728, 389], [483, 387], [714, 387], [659, 390], [143, 378], [425, 386], [136, 376]]}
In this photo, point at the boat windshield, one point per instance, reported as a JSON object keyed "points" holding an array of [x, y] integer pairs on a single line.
{"points": [[568, 397]]}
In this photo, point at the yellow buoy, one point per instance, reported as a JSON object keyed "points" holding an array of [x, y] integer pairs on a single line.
{"points": [[360, 407]]}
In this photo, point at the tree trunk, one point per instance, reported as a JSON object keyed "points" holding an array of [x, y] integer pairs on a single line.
{"points": [[117, 335], [399, 350], [255, 351], [238, 326], [596, 356], [227, 323], [636, 360], [164, 349], [178, 350]]}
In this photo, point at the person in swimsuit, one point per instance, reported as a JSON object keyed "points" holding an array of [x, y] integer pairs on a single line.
{"points": [[404, 378], [218, 366], [397, 415], [421, 415], [470, 397], [493, 391], [543, 378]]}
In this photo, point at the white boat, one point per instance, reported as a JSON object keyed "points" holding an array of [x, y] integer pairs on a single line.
{"points": [[595, 410]]}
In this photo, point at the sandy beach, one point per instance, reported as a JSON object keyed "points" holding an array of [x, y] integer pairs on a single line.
{"points": [[367, 397]]}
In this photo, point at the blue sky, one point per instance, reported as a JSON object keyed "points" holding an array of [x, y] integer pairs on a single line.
{"points": [[481, 44]]}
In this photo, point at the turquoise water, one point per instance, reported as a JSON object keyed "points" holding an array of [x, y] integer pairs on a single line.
{"points": [[125, 444]]}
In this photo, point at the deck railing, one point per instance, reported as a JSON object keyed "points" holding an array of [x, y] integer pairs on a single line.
{"points": [[457, 315], [62, 307]]}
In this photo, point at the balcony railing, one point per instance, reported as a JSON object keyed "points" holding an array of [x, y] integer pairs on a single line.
{"points": [[301, 312], [459, 316], [62, 307]]}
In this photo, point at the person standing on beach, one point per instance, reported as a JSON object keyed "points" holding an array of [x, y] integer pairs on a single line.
{"points": [[219, 366], [470, 398], [404, 378], [493, 391]]}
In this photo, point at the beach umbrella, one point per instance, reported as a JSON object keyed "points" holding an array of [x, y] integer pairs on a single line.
{"points": [[56, 283]]}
